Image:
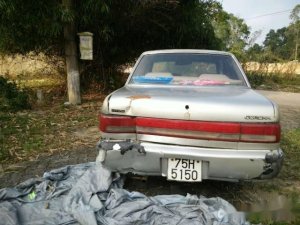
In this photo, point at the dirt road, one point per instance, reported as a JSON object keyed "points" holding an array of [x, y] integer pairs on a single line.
{"points": [[289, 105]]}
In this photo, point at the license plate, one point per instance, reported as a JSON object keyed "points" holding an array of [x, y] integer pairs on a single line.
{"points": [[184, 170]]}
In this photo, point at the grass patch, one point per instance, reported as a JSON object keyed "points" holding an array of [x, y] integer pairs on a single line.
{"points": [[288, 179], [277, 76], [40, 83], [274, 81], [291, 211], [11, 97], [26, 134], [290, 144], [256, 219]]}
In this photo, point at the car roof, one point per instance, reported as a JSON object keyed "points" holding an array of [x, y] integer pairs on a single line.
{"points": [[186, 51]]}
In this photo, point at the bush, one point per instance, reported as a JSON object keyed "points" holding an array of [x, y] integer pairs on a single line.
{"points": [[11, 97], [110, 79], [256, 79]]}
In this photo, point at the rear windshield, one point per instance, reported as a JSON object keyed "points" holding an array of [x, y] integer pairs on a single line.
{"points": [[187, 69]]}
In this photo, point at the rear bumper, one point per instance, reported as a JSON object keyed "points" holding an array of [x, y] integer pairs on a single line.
{"points": [[217, 164]]}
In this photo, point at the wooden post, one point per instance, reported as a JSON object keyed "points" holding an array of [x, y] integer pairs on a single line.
{"points": [[40, 96], [71, 58]]}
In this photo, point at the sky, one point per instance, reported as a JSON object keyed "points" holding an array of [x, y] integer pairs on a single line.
{"points": [[254, 13]]}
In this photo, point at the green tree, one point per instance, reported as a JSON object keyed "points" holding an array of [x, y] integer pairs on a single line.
{"points": [[232, 31], [32, 25], [276, 43], [254, 52], [295, 14], [41, 26], [295, 27], [292, 34], [131, 27], [283, 43], [122, 29]]}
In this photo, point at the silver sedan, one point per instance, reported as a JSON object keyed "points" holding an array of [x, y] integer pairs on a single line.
{"points": [[190, 115]]}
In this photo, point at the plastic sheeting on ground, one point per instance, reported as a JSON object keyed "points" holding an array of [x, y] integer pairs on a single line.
{"points": [[90, 194]]}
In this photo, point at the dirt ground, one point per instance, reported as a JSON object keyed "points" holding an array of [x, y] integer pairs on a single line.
{"points": [[13, 174], [289, 104]]}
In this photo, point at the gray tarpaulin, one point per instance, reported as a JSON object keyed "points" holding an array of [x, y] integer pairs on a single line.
{"points": [[90, 194]]}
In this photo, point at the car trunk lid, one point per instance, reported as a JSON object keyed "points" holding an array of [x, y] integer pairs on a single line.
{"points": [[223, 104]]}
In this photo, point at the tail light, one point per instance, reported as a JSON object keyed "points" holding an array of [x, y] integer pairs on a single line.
{"points": [[268, 133], [217, 131], [117, 124], [189, 129]]}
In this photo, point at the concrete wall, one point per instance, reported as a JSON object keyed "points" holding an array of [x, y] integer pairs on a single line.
{"points": [[292, 67], [39, 65]]}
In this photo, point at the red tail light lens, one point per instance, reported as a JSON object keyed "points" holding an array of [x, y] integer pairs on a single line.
{"points": [[260, 133], [117, 124], [189, 129], [217, 131]]}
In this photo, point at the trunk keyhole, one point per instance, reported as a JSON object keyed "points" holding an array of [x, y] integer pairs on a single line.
{"points": [[187, 107]]}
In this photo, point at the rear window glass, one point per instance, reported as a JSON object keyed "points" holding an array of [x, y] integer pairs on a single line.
{"points": [[187, 69]]}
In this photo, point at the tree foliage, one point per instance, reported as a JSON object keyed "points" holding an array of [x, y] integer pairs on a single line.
{"points": [[295, 14], [27, 25], [277, 43], [130, 27], [232, 32], [122, 29], [119, 26], [254, 52], [280, 44], [11, 97]]}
